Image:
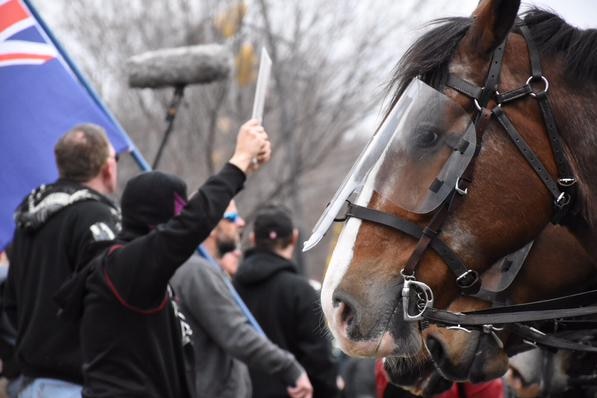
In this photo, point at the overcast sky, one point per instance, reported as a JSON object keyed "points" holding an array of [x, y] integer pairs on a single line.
{"points": [[581, 13]]}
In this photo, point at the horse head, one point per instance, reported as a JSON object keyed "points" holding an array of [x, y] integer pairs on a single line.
{"points": [[444, 152]]}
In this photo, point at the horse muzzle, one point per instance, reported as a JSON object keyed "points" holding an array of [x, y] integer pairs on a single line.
{"points": [[461, 355], [372, 333]]}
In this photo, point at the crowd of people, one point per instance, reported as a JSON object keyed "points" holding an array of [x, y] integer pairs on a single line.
{"points": [[114, 300]]}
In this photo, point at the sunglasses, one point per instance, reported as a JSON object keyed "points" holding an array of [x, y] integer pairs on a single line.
{"points": [[231, 217]]}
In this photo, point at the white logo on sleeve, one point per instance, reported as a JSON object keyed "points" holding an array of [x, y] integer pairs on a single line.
{"points": [[101, 231]]}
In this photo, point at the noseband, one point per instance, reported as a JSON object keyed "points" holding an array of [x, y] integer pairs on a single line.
{"points": [[417, 297]]}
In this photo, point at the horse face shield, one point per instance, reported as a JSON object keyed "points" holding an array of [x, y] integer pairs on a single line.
{"points": [[414, 160]]}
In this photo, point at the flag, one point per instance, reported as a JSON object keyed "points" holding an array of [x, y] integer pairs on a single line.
{"points": [[41, 97]]}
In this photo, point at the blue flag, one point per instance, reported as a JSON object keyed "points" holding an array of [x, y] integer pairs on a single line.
{"points": [[41, 97]]}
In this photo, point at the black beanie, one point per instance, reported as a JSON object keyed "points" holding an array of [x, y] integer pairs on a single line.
{"points": [[272, 223], [150, 199]]}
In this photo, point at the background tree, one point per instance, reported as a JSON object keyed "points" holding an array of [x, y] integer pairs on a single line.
{"points": [[331, 60]]}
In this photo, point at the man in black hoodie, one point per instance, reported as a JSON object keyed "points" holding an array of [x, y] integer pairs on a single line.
{"points": [[285, 305], [135, 341], [57, 225]]}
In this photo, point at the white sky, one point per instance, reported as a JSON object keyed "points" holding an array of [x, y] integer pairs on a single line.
{"points": [[580, 13]]}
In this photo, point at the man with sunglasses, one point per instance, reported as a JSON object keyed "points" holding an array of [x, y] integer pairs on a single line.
{"points": [[224, 342], [57, 226], [224, 241]]}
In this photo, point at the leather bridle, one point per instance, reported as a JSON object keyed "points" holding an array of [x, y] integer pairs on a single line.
{"points": [[417, 297]]}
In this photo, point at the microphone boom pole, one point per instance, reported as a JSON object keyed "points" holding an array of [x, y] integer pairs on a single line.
{"points": [[170, 116]]}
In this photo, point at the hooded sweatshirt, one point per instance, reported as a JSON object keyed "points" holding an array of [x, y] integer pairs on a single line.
{"points": [[287, 308], [135, 341], [57, 226]]}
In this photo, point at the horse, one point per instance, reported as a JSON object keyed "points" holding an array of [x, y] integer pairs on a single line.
{"points": [[471, 167]]}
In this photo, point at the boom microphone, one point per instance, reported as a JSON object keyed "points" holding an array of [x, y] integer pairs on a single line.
{"points": [[181, 66]]}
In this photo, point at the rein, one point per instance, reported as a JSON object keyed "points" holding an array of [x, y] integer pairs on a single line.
{"points": [[417, 297]]}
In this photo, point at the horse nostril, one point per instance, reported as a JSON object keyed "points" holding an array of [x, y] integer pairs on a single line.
{"points": [[346, 312], [434, 347]]}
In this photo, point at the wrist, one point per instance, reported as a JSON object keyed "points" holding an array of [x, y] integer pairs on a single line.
{"points": [[241, 161]]}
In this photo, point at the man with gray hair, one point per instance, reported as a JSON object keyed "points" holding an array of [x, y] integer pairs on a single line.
{"points": [[57, 225]]}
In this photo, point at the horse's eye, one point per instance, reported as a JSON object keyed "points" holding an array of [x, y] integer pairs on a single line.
{"points": [[426, 138]]}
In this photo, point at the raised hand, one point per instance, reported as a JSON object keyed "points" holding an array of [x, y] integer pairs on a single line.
{"points": [[253, 147]]}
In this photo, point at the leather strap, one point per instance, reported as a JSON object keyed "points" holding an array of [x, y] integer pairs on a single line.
{"points": [[512, 95], [550, 122], [493, 76], [462, 86], [364, 213], [533, 336], [481, 94], [536, 71], [565, 173], [480, 319], [527, 152], [566, 307]]}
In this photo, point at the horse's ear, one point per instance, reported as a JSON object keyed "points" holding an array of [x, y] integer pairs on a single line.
{"points": [[492, 20]]}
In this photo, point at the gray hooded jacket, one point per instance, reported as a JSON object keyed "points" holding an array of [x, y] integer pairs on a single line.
{"points": [[223, 340]]}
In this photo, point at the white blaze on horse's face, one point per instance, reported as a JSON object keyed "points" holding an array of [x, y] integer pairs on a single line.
{"points": [[337, 268], [341, 259]]}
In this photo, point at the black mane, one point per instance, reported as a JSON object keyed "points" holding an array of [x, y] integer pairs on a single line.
{"points": [[554, 37], [429, 55]]}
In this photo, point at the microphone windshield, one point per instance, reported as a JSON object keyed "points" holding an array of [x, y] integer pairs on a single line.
{"points": [[179, 66]]}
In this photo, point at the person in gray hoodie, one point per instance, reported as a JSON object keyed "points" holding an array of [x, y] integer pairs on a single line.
{"points": [[223, 341]]}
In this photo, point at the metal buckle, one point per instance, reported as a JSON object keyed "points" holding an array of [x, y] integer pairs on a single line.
{"points": [[533, 342], [562, 200], [497, 98], [567, 182], [458, 327], [464, 275], [533, 93], [490, 329], [529, 342], [424, 297], [461, 191], [477, 105]]}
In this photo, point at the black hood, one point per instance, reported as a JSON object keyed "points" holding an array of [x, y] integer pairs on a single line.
{"points": [[150, 199], [260, 265], [47, 200]]}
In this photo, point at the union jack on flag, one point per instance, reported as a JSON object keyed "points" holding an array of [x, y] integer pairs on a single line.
{"points": [[41, 97], [20, 45]]}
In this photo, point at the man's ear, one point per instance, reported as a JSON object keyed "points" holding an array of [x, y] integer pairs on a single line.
{"points": [[295, 236], [107, 177], [252, 238]]}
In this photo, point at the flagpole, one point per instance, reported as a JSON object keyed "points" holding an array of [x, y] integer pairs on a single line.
{"points": [[137, 156]]}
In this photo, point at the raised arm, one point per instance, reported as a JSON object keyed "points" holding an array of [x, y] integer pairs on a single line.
{"points": [[138, 271]]}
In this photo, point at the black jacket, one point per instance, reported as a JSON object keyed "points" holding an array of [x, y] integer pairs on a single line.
{"points": [[56, 226], [131, 332], [287, 308]]}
